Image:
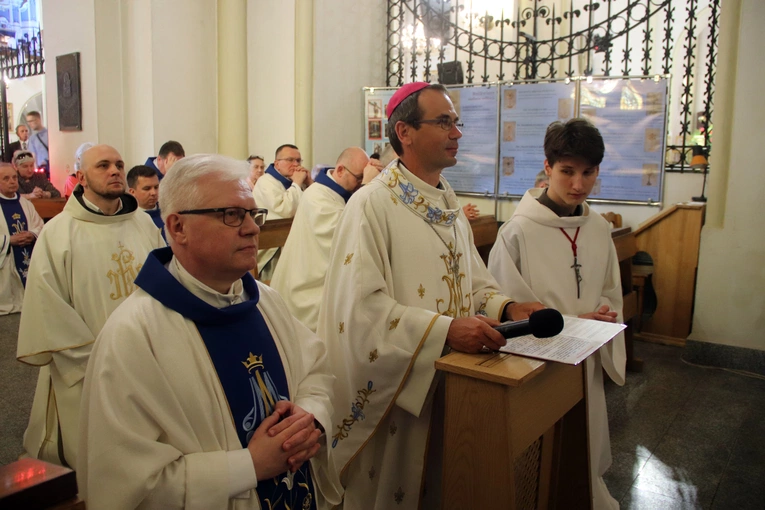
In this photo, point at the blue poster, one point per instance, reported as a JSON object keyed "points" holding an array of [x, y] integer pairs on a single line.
{"points": [[630, 114], [526, 109]]}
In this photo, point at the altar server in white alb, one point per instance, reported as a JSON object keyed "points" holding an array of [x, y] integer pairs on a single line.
{"points": [[299, 276], [557, 250], [19, 228], [280, 190], [84, 264], [405, 284], [203, 391]]}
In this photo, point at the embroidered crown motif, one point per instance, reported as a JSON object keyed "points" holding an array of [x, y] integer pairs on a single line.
{"points": [[253, 362]]}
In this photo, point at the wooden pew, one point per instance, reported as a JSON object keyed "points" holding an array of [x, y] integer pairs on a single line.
{"points": [[672, 238], [626, 247], [274, 233], [47, 208]]}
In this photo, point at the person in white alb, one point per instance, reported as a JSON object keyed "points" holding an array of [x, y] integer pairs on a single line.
{"points": [[279, 190], [83, 267], [557, 250], [299, 276], [202, 390], [19, 228]]}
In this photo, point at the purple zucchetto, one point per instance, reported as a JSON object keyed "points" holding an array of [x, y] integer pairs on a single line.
{"points": [[402, 93]]}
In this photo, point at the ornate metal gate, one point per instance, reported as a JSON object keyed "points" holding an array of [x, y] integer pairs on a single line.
{"points": [[540, 40]]}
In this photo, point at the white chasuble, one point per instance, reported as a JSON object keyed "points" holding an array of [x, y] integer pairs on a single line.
{"points": [[534, 258], [281, 197], [403, 265], [157, 429], [82, 268], [299, 276], [11, 288]]}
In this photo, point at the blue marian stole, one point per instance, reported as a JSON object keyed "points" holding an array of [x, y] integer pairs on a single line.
{"points": [[17, 223], [273, 172], [246, 359], [327, 181]]}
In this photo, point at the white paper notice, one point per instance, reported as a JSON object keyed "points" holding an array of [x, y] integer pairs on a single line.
{"points": [[579, 339]]}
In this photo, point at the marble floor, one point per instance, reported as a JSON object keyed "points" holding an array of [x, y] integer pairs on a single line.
{"points": [[686, 437]]}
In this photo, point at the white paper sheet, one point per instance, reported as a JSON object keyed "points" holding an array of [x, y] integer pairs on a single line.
{"points": [[579, 339]]}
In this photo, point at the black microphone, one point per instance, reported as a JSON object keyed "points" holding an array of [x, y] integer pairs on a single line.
{"points": [[542, 324]]}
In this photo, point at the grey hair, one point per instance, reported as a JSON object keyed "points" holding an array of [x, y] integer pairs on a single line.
{"points": [[78, 154], [180, 189]]}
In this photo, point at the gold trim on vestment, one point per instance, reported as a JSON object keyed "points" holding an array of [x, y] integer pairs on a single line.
{"points": [[395, 395], [52, 351]]}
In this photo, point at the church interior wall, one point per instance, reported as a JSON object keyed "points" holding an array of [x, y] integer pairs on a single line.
{"points": [[349, 54], [137, 50], [730, 300], [271, 76], [61, 38], [184, 69]]}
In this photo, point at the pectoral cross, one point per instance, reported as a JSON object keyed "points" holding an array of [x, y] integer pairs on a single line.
{"points": [[576, 267]]}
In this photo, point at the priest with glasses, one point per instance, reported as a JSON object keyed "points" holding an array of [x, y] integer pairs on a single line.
{"points": [[202, 390]]}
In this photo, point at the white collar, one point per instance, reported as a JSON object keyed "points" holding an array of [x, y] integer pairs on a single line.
{"points": [[212, 297], [93, 207]]}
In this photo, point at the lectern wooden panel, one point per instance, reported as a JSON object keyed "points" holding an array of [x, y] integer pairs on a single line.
{"points": [[515, 433]]}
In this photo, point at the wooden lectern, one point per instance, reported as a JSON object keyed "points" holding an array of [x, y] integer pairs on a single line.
{"points": [[515, 433]]}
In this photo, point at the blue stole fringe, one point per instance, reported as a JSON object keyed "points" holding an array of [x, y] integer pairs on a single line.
{"points": [[17, 223], [246, 359], [326, 180]]}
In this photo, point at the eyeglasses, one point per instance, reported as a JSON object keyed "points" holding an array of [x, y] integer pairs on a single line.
{"points": [[359, 178], [291, 160], [233, 216], [444, 123]]}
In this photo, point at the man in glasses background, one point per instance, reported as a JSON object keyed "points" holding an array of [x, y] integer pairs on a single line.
{"points": [[280, 191], [83, 267], [203, 388], [299, 276]]}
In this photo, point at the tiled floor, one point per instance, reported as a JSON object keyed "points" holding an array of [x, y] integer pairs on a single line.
{"points": [[686, 437]]}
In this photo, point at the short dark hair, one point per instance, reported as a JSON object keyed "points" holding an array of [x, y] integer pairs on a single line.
{"points": [[171, 146], [33, 113], [255, 157], [408, 111], [282, 147], [577, 138], [139, 171]]}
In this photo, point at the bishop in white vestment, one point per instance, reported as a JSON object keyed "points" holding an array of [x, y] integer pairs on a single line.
{"points": [[83, 267], [403, 266], [20, 226], [405, 284]]}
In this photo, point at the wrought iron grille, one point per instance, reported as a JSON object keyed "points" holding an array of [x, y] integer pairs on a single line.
{"points": [[538, 40], [23, 60]]}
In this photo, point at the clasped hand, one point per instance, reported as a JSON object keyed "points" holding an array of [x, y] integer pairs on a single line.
{"points": [[22, 239], [278, 446]]}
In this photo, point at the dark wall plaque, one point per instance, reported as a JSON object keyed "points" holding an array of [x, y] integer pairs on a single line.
{"points": [[69, 98]]}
